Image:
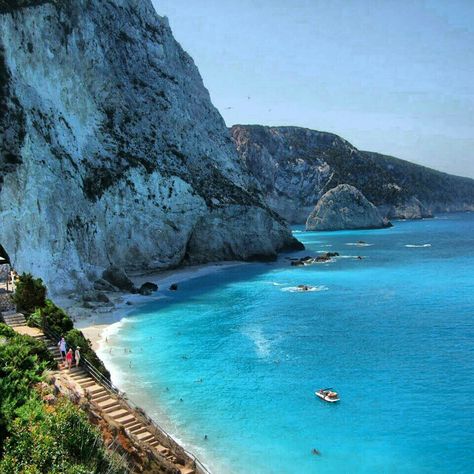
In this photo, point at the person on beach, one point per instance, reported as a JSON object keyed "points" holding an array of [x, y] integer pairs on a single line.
{"points": [[62, 347], [69, 359], [77, 355]]}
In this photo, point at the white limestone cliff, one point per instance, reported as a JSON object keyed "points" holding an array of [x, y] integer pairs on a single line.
{"points": [[111, 151]]}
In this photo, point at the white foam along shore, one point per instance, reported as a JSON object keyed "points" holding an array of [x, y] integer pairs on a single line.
{"points": [[97, 323]]}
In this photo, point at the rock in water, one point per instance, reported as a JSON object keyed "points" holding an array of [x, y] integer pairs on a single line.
{"points": [[344, 207], [111, 152]]}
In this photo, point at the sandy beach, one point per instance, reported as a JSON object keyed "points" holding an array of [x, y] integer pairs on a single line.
{"points": [[93, 321]]}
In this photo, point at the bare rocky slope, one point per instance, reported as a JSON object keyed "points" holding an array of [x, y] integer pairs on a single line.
{"points": [[111, 152], [294, 167], [345, 207]]}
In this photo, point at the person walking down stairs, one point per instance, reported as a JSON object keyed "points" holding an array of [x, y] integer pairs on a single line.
{"points": [[69, 356], [62, 347], [77, 356]]}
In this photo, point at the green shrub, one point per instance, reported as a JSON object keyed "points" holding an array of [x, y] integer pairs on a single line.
{"points": [[51, 316], [57, 440], [6, 331], [30, 293], [22, 363]]}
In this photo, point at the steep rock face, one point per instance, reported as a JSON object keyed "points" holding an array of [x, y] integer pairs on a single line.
{"points": [[295, 166], [412, 208], [111, 151], [344, 207]]}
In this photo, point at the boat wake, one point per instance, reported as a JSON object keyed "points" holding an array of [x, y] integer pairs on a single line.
{"points": [[360, 244], [415, 246], [305, 288]]}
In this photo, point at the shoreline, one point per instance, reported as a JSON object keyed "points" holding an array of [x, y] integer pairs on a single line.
{"points": [[99, 323], [94, 322]]}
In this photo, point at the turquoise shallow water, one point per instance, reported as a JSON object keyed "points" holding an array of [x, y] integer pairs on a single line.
{"points": [[393, 333]]}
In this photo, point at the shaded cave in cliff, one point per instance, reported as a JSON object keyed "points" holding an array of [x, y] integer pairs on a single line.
{"points": [[4, 258]]}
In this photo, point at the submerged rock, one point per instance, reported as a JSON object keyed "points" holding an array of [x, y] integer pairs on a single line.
{"points": [[345, 207]]}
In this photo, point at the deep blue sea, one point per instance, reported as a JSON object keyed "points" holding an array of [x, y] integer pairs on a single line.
{"points": [[237, 355]]}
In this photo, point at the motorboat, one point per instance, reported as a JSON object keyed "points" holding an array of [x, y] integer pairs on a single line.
{"points": [[328, 395]]}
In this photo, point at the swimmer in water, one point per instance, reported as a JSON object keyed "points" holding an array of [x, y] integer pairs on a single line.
{"points": [[315, 452]]}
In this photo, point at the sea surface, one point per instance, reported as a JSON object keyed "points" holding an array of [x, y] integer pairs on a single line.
{"points": [[237, 355]]}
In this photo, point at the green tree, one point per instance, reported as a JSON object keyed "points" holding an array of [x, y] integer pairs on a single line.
{"points": [[30, 293]]}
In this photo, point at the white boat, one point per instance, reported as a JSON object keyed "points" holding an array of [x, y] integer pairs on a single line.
{"points": [[327, 395]]}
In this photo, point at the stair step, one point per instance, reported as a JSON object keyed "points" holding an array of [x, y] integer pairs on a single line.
{"points": [[137, 430], [114, 408], [116, 413], [145, 434], [98, 394], [124, 419], [146, 439], [132, 424], [76, 369], [101, 398], [107, 403], [186, 470], [92, 390], [79, 375], [81, 380], [87, 384], [161, 449]]}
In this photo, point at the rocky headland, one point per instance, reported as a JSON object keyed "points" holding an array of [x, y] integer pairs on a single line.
{"points": [[345, 207], [294, 167], [112, 154]]}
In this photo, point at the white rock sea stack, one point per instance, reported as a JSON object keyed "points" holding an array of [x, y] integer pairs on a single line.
{"points": [[111, 153], [345, 207]]}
